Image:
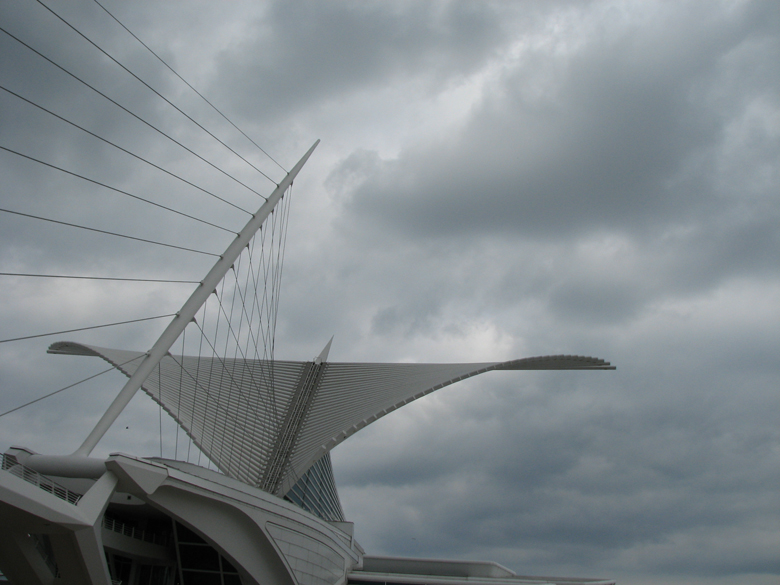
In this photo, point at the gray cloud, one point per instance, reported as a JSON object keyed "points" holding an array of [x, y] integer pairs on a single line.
{"points": [[301, 53], [607, 144], [495, 180]]}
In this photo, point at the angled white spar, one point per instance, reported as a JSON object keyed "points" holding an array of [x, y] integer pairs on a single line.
{"points": [[189, 309]]}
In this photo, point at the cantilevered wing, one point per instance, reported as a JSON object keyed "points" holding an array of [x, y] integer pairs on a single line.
{"points": [[267, 422], [352, 395], [231, 408]]}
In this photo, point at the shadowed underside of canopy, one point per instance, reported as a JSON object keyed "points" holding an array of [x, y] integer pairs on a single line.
{"points": [[267, 422]]}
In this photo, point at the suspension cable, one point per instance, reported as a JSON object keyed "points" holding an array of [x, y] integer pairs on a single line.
{"points": [[190, 86], [86, 328], [157, 93], [136, 116], [120, 191], [163, 280], [108, 233], [174, 175], [70, 386]]}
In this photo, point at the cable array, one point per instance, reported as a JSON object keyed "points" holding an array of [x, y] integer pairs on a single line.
{"points": [[150, 88], [187, 83], [238, 322], [235, 333], [117, 147]]}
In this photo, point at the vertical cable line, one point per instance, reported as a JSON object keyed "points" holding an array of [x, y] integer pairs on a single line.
{"points": [[256, 384], [236, 332], [284, 213], [271, 303], [236, 288], [134, 115], [251, 338], [273, 414], [271, 403], [263, 269], [264, 317], [189, 310], [178, 404], [243, 313], [214, 358], [197, 375], [172, 70], [242, 276], [230, 331], [286, 210], [217, 404], [252, 341], [221, 358], [268, 297], [238, 303], [157, 93]]}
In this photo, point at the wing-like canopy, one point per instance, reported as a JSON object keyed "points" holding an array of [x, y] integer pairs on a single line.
{"points": [[267, 422]]}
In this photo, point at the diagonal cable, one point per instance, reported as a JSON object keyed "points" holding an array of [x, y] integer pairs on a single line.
{"points": [[167, 172], [101, 278], [150, 88], [70, 386], [107, 232], [86, 328], [136, 116], [207, 388], [137, 197], [172, 70]]}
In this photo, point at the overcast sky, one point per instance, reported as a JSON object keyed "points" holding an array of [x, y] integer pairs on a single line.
{"points": [[495, 180]]}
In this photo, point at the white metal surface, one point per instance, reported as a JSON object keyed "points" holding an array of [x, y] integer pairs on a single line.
{"points": [[236, 411]]}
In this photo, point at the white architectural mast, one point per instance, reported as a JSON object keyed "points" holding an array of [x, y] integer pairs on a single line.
{"points": [[188, 310]]}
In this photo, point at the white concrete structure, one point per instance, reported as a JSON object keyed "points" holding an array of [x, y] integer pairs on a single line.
{"points": [[271, 517], [162, 521]]}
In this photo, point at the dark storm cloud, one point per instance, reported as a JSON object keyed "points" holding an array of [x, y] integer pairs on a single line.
{"points": [[303, 52], [632, 134], [609, 194], [40, 190], [495, 180], [604, 142], [577, 472]]}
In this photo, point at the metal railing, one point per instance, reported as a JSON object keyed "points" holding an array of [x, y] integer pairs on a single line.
{"points": [[150, 536], [11, 465]]}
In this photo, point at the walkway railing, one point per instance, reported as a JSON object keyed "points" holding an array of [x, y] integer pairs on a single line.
{"points": [[11, 465]]}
